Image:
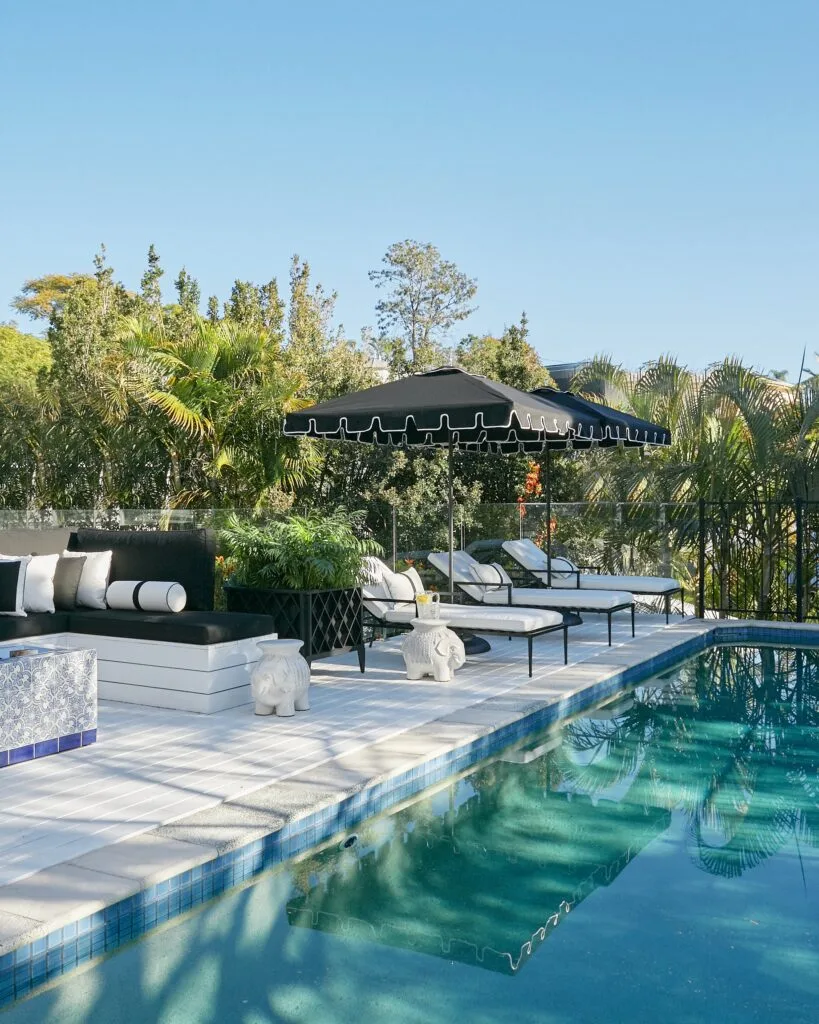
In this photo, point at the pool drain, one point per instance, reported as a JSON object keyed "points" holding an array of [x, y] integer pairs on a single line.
{"points": [[349, 842]]}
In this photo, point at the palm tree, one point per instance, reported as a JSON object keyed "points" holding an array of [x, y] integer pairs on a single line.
{"points": [[217, 397]]}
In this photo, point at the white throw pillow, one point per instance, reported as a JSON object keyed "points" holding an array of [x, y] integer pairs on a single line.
{"points": [[39, 592], [19, 609], [492, 577], [401, 587], [94, 579], [415, 579], [146, 596]]}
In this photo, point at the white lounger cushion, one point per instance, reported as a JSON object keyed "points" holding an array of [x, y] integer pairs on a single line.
{"points": [[561, 597], [549, 597], [636, 584], [530, 556], [464, 616]]}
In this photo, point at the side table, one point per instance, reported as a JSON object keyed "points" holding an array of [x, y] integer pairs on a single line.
{"points": [[48, 702], [431, 649]]}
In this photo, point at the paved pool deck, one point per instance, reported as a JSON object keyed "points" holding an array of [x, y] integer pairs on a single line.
{"points": [[164, 792]]}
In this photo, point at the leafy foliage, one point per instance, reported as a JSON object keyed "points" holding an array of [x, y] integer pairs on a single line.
{"points": [[426, 297], [300, 552]]}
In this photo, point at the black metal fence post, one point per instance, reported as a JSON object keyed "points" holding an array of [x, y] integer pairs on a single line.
{"points": [[701, 562], [799, 570]]}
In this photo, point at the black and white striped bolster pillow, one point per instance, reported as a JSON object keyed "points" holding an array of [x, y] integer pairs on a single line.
{"points": [[146, 596]]}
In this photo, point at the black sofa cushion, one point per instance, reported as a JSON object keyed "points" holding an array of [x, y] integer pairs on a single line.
{"points": [[175, 556], [188, 627], [34, 624]]}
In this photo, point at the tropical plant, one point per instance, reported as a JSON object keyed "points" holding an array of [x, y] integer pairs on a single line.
{"points": [[300, 552]]}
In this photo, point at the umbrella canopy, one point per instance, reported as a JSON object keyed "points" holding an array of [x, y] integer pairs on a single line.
{"points": [[442, 408], [610, 426]]}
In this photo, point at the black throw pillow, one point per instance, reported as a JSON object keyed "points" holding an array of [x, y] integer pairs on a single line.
{"points": [[9, 576], [67, 582]]}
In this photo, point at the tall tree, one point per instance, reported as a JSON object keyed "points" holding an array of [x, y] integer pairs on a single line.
{"points": [[509, 358], [256, 308], [42, 297], [426, 296], [150, 288]]}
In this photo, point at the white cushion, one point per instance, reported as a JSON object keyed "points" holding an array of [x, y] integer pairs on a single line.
{"points": [[563, 569], [562, 597], [636, 584], [465, 616], [403, 586], [19, 610], [94, 579], [531, 557], [526, 553], [376, 599], [412, 575], [146, 596], [493, 576], [462, 563], [38, 592]]}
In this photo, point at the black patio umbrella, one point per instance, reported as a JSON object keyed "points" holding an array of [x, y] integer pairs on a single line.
{"points": [[599, 426], [446, 408]]}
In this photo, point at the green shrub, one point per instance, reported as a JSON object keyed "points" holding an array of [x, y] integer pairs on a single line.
{"points": [[298, 553]]}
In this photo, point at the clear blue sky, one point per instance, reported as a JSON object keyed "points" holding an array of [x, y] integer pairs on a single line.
{"points": [[640, 176]]}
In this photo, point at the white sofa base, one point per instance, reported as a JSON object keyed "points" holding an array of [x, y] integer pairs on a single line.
{"points": [[185, 677]]}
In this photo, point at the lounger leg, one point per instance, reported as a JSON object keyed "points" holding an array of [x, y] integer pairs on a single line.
{"points": [[609, 617], [565, 645], [667, 607], [530, 656], [633, 607], [682, 602], [361, 656]]}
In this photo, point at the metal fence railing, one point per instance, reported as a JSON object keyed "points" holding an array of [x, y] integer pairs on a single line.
{"points": [[759, 559]]}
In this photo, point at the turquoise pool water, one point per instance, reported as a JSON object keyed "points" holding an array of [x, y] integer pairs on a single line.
{"points": [[655, 860]]}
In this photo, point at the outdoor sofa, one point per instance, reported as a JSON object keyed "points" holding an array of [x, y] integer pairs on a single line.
{"points": [[389, 610], [491, 585], [565, 574], [193, 660]]}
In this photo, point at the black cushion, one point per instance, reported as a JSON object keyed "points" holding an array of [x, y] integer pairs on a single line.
{"points": [[188, 627], [175, 556], [34, 624], [67, 582], [9, 580]]}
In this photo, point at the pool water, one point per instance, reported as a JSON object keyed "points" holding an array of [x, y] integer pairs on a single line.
{"points": [[654, 860]]}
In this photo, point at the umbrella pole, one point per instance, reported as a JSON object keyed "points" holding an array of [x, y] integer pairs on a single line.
{"points": [[472, 644], [549, 515], [451, 515]]}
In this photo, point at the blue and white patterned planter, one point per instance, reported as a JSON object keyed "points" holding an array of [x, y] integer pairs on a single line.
{"points": [[48, 703]]}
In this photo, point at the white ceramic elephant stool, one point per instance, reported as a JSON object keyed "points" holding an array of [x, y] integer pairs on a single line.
{"points": [[432, 650], [280, 681]]}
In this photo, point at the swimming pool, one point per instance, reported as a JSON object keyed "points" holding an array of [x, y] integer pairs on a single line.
{"points": [[652, 860]]}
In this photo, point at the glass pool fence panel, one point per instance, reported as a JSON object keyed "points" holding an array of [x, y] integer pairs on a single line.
{"points": [[642, 538], [120, 519]]}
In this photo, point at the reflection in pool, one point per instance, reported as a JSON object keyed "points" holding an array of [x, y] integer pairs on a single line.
{"points": [[655, 859]]}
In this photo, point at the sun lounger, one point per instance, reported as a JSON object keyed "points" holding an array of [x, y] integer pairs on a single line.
{"points": [[565, 574], [491, 585], [390, 609]]}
